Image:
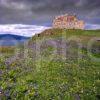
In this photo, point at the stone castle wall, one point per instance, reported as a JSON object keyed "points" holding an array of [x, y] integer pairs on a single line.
{"points": [[68, 22]]}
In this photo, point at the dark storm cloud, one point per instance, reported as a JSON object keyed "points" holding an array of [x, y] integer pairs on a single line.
{"points": [[42, 11]]}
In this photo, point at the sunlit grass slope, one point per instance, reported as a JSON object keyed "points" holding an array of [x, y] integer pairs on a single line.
{"points": [[53, 70]]}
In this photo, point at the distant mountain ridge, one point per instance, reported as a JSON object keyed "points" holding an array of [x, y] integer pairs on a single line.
{"points": [[13, 36], [11, 40]]}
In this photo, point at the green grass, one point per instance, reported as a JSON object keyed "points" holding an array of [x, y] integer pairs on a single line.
{"points": [[52, 76]]}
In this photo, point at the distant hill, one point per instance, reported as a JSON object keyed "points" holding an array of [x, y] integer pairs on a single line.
{"points": [[11, 40], [55, 33], [60, 37]]}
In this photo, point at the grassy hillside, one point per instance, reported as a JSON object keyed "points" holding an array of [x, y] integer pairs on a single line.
{"points": [[54, 68]]}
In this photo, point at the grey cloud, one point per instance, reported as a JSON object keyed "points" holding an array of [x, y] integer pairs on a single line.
{"points": [[43, 11]]}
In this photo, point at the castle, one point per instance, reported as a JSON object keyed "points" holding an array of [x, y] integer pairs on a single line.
{"points": [[68, 22]]}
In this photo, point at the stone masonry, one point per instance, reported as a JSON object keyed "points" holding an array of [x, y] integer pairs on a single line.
{"points": [[68, 22]]}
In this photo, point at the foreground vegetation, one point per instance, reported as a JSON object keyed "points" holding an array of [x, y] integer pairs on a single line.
{"points": [[50, 75]]}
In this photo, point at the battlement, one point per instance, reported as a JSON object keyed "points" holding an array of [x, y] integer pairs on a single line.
{"points": [[68, 22]]}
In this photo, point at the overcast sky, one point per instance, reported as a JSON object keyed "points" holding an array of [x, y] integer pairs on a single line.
{"points": [[41, 12]]}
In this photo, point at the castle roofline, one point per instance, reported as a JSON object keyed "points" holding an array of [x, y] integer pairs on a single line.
{"points": [[65, 15]]}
